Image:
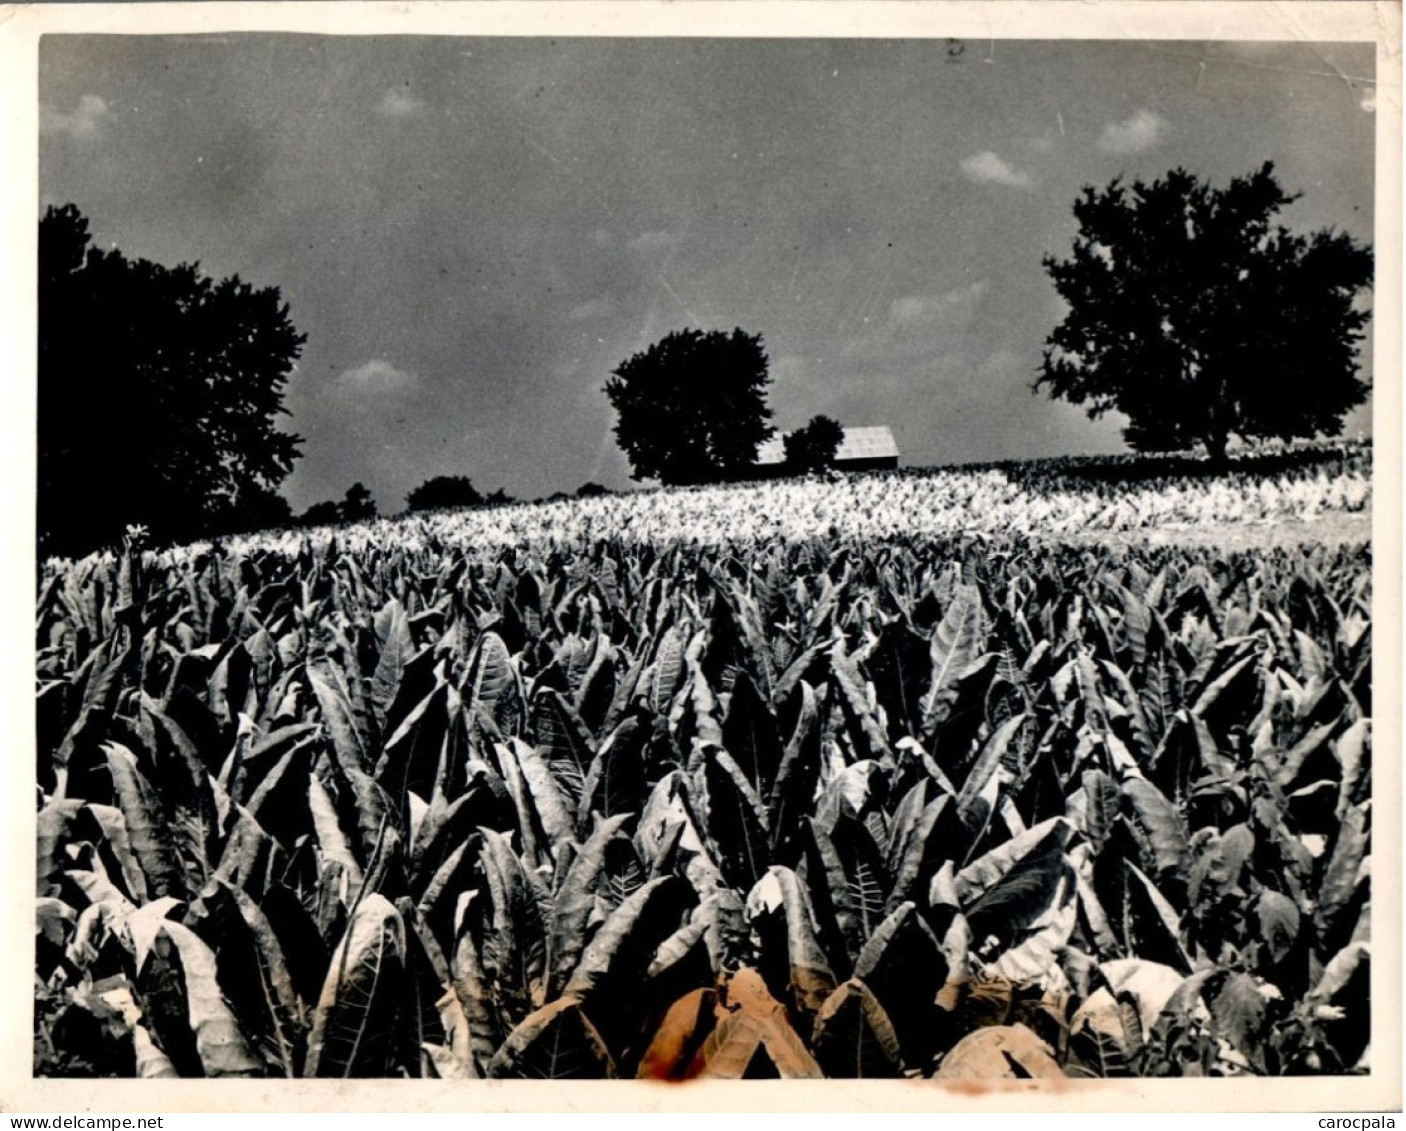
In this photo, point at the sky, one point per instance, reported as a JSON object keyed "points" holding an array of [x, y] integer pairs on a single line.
{"points": [[474, 232]]}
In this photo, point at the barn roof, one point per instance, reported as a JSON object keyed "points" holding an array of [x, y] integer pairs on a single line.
{"points": [[874, 442]]}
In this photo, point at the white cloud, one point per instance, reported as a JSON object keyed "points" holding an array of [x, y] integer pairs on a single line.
{"points": [[1139, 133], [375, 378], [84, 122], [947, 311], [591, 309], [399, 103], [987, 168], [650, 243]]}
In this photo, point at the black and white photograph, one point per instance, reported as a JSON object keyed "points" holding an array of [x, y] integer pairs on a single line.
{"points": [[710, 556]]}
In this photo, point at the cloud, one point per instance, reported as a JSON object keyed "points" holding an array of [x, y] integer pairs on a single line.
{"points": [[987, 168], [399, 103], [591, 309], [651, 243], [375, 378], [1139, 133], [947, 311], [84, 122]]}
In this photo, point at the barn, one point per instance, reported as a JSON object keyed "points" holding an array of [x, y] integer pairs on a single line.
{"points": [[871, 448]]}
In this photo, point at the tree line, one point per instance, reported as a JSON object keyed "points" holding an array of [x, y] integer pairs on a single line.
{"points": [[1191, 310], [439, 492]]}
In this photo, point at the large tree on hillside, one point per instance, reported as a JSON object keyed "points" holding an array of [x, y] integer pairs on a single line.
{"points": [[692, 407], [1197, 315], [159, 393]]}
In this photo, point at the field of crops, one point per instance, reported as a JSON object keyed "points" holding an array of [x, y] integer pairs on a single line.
{"points": [[883, 777]]}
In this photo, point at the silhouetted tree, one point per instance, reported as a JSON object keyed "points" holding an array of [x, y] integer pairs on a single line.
{"points": [[1196, 315], [322, 514], [358, 504], [444, 491], [813, 447], [159, 391], [692, 407], [591, 491], [498, 498]]}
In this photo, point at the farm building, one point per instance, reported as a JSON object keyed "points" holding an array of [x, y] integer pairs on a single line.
{"points": [[862, 449]]}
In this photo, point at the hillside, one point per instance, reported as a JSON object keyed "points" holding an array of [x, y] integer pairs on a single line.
{"points": [[1311, 492]]}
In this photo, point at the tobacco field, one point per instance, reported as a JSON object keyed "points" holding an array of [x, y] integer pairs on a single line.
{"points": [[885, 777]]}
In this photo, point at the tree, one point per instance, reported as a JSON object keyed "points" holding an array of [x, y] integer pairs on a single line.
{"points": [[358, 505], [322, 514], [1198, 316], [692, 407], [159, 391], [444, 491], [813, 447]]}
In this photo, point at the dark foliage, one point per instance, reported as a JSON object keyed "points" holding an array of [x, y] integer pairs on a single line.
{"points": [[158, 396], [813, 447], [357, 505], [591, 491], [1196, 315], [257, 508], [444, 491], [322, 514], [692, 407]]}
